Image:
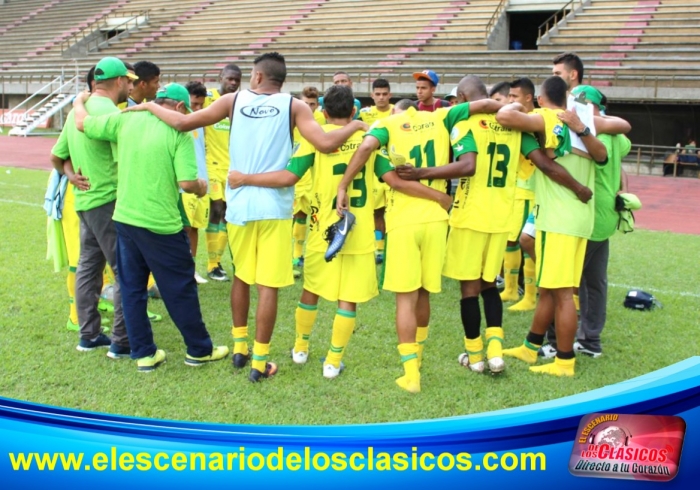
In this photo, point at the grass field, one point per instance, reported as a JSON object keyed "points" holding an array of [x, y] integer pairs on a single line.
{"points": [[40, 362]]}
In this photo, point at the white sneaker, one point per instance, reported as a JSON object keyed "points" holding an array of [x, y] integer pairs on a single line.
{"points": [[299, 357], [580, 349], [496, 365], [477, 367], [547, 351], [199, 279], [330, 371]]}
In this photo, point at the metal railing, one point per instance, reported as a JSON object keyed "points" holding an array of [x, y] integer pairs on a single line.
{"points": [[557, 17], [651, 155], [87, 38], [494, 18]]}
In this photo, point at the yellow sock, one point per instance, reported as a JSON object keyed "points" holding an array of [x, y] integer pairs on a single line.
{"points": [[70, 282], [529, 300], [421, 337], [526, 352], [299, 235], [240, 340], [151, 281], [221, 242], [475, 349], [560, 367], [576, 302], [511, 270], [212, 235], [343, 326], [410, 381], [494, 342], [305, 317], [107, 276], [261, 353]]}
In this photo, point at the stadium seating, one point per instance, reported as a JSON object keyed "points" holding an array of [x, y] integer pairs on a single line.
{"points": [[622, 43]]}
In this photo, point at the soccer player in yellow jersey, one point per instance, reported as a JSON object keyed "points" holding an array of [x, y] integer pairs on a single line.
{"points": [[521, 90], [351, 277], [563, 224], [416, 225], [488, 157], [216, 138], [381, 95], [309, 95]]}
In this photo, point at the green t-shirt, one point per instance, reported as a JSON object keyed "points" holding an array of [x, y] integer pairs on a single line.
{"points": [[153, 158], [94, 158], [607, 183], [558, 209]]}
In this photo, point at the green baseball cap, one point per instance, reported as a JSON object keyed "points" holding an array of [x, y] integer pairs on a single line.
{"points": [[175, 91], [592, 95], [111, 67]]}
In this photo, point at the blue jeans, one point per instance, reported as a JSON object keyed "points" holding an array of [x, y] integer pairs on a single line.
{"points": [[168, 257]]}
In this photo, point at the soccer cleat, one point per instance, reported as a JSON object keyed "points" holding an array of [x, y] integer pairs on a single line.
{"points": [[330, 371], [218, 274], [496, 365], [199, 279], [118, 352], [500, 283], [240, 360], [477, 367], [72, 327], [580, 349], [509, 296], [105, 306], [270, 370], [379, 258], [337, 233], [547, 351], [300, 357], [154, 292], [217, 353], [296, 274], [298, 262], [87, 345], [154, 317], [150, 363]]}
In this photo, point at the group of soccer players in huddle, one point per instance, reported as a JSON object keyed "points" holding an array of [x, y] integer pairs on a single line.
{"points": [[384, 184]]}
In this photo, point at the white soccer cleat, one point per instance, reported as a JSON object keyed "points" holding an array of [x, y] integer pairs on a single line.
{"points": [[477, 367], [199, 279], [299, 357], [496, 365], [330, 371]]}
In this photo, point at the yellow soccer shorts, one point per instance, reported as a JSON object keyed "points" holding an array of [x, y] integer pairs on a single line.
{"points": [[70, 222], [262, 252], [217, 183], [414, 256], [302, 200], [559, 260], [473, 255], [196, 209], [351, 277], [521, 210], [379, 192]]}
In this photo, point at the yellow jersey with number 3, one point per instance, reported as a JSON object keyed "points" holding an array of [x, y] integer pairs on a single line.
{"points": [[326, 171], [484, 202], [421, 139]]}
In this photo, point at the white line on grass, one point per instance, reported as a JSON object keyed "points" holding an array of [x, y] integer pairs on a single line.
{"points": [[654, 290], [33, 204], [15, 185]]}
